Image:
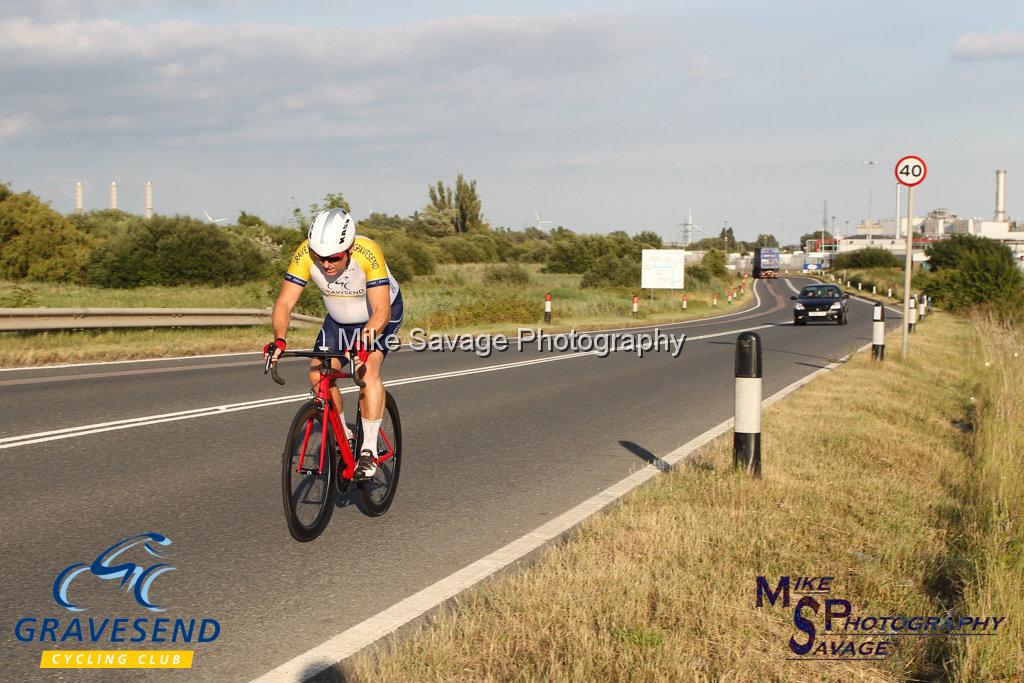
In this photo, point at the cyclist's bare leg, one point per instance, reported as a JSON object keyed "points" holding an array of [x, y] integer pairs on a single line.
{"points": [[314, 379], [371, 398]]}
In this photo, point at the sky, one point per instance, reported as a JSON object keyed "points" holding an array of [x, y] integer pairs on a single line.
{"points": [[597, 115]]}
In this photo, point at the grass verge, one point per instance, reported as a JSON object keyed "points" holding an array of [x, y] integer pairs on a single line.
{"points": [[456, 299], [662, 585], [990, 547]]}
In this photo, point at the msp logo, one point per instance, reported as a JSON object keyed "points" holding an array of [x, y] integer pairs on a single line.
{"points": [[135, 577], [843, 634], [134, 563]]}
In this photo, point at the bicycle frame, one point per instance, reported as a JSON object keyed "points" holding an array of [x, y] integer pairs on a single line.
{"points": [[331, 421]]}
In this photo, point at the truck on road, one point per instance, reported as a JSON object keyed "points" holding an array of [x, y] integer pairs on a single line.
{"points": [[767, 261]]}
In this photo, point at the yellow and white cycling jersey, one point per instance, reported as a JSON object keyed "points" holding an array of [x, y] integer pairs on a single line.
{"points": [[345, 294]]}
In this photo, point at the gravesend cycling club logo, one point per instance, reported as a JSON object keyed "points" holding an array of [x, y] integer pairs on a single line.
{"points": [[830, 630], [138, 578], [131, 566]]}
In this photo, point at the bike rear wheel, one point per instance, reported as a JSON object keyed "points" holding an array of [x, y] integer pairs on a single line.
{"points": [[308, 495], [378, 491]]}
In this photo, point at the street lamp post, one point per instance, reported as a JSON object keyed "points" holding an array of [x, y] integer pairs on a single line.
{"points": [[870, 164]]}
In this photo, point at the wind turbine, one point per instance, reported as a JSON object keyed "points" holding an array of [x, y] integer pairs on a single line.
{"points": [[213, 220], [540, 222], [687, 227]]}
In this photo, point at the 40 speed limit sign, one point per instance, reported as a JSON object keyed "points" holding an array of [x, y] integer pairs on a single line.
{"points": [[911, 170]]}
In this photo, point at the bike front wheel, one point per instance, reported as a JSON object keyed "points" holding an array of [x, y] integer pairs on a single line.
{"points": [[378, 491], [308, 492]]}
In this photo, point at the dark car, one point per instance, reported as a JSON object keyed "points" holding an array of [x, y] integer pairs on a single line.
{"points": [[820, 302]]}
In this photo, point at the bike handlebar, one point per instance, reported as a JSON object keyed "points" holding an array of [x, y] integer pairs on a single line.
{"points": [[271, 365]]}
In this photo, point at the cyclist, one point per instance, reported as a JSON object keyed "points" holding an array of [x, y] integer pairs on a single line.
{"points": [[364, 306]]}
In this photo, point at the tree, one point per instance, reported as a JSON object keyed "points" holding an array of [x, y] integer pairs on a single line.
{"points": [[303, 220], [972, 271], [728, 239], [648, 240], [951, 253], [460, 205], [766, 240], [714, 263], [816, 235], [251, 220], [868, 257], [38, 243]]}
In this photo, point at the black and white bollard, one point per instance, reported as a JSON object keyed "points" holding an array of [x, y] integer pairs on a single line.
{"points": [[878, 333], [874, 289], [912, 320], [746, 439], [922, 307], [890, 293], [547, 307]]}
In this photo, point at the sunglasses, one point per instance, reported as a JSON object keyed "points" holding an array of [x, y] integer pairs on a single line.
{"points": [[328, 259]]}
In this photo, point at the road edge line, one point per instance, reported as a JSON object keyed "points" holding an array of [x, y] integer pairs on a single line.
{"points": [[340, 647], [748, 309]]}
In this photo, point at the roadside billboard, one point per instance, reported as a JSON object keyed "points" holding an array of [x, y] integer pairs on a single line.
{"points": [[662, 268]]}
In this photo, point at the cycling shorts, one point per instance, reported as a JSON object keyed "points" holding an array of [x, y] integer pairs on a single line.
{"points": [[342, 337]]}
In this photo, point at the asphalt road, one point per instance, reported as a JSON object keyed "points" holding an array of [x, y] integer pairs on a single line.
{"points": [[489, 456]]}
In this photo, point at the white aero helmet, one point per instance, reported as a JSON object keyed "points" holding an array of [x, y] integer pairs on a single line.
{"points": [[333, 231]]}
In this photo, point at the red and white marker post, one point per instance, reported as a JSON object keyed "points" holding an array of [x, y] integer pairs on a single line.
{"points": [[685, 300], [547, 307], [636, 304]]}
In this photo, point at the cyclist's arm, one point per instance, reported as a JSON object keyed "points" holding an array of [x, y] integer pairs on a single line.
{"points": [[286, 300], [379, 299], [291, 289]]}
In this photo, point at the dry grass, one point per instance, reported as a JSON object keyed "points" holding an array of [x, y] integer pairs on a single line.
{"points": [[456, 300], [662, 586], [25, 350], [991, 547]]}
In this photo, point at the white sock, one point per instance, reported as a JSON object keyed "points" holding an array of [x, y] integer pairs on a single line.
{"points": [[348, 432], [370, 430]]}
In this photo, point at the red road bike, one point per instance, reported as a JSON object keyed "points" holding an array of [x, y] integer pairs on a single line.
{"points": [[317, 464]]}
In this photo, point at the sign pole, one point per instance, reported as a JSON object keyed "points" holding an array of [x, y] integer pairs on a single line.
{"points": [[911, 172], [908, 265]]}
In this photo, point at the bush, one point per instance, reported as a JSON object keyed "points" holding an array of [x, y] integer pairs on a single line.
{"points": [[614, 271], [983, 276], [714, 263], [475, 248], [506, 274], [869, 257], [489, 306], [38, 243], [20, 296], [174, 251]]}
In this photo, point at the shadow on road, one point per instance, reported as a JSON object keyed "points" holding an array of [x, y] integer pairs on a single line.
{"points": [[640, 452], [790, 353], [332, 674]]}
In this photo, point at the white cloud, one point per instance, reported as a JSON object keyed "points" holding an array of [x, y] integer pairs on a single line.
{"points": [[989, 45], [700, 68], [12, 126], [63, 9], [182, 80]]}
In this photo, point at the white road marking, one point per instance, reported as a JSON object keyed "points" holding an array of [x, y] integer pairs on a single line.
{"points": [[257, 354], [365, 633], [128, 423]]}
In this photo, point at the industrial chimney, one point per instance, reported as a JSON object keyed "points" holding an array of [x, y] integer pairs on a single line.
{"points": [[78, 197], [1001, 196], [113, 195], [147, 210]]}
